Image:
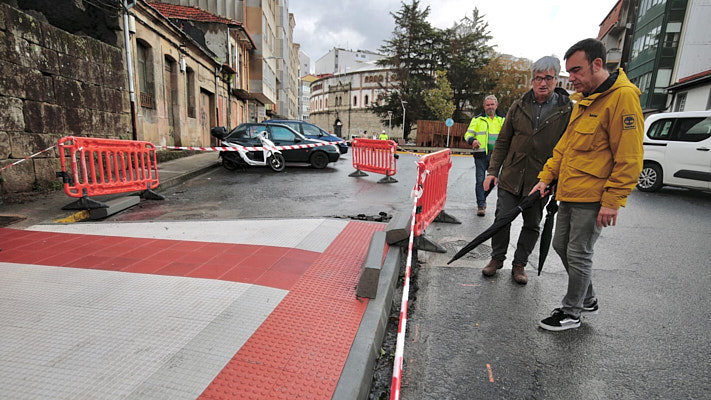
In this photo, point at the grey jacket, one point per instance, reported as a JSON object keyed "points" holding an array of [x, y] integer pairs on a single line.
{"points": [[520, 152]]}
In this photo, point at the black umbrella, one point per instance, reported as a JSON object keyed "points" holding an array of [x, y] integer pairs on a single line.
{"points": [[500, 221], [547, 233]]}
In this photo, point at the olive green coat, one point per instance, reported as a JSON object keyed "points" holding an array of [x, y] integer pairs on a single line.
{"points": [[520, 152]]}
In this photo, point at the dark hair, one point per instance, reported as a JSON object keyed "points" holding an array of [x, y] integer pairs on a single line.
{"points": [[593, 49]]}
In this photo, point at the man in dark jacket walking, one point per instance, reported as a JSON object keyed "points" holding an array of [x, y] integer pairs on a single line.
{"points": [[531, 130]]}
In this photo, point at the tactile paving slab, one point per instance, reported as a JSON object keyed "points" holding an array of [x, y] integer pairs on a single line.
{"points": [[300, 349], [83, 333]]}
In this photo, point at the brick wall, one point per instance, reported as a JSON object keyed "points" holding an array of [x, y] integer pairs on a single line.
{"points": [[53, 84]]}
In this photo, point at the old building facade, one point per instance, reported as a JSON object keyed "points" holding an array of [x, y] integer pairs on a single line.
{"points": [[140, 75], [342, 104]]}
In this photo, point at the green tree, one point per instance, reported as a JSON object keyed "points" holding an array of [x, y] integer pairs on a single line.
{"points": [[409, 54], [511, 78], [440, 98], [464, 53]]}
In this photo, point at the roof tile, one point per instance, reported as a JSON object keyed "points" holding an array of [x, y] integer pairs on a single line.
{"points": [[190, 13]]}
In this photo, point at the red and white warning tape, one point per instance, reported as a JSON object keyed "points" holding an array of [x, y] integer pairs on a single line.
{"points": [[402, 326], [237, 147], [27, 158]]}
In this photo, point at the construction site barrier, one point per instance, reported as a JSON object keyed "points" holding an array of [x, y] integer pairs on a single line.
{"points": [[432, 178], [95, 167], [376, 156]]}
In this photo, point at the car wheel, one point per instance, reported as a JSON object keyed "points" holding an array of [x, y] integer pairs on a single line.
{"points": [[276, 162], [650, 179], [229, 163], [319, 160]]}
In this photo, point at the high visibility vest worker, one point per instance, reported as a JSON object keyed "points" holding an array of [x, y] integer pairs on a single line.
{"points": [[485, 130], [383, 136]]}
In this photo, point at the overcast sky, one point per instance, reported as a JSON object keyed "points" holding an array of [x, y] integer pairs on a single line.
{"points": [[522, 28]]}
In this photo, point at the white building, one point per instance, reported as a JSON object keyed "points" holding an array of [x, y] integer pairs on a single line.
{"points": [[341, 61], [304, 63], [691, 77], [343, 103]]}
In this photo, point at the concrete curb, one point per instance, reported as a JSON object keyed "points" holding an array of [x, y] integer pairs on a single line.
{"points": [[178, 179], [358, 370]]}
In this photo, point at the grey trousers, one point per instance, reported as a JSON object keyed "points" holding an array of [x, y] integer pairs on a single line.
{"points": [[529, 232], [575, 235]]}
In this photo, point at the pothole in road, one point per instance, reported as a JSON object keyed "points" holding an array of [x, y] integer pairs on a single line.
{"points": [[481, 252]]}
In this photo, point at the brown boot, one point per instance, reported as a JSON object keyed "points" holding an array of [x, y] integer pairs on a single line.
{"points": [[492, 266], [481, 211], [519, 273]]}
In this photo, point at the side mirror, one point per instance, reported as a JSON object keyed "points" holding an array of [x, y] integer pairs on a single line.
{"points": [[219, 132]]}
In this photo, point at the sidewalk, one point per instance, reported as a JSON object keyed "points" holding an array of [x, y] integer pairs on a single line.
{"points": [[182, 310]]}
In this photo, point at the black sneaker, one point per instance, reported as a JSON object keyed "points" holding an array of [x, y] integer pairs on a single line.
{"points": [[591, 309], [559, 321]]}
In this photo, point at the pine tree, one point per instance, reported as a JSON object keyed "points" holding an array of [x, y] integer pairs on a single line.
{"points": [[409, 54]]}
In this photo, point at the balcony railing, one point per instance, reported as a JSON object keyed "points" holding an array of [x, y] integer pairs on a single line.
{"points": [[614, 56]]}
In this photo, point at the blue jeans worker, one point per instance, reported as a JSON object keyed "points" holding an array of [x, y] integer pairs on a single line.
{"points": [[597, 163], [533, 126], [481, 135]]}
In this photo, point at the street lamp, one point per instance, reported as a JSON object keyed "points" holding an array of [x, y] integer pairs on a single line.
{"points": [[403, 102]]}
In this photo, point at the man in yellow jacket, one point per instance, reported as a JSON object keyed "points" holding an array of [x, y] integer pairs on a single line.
{"points": [[596, 163], [481, 135]]}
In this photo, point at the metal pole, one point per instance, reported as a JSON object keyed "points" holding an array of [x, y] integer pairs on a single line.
{"points": [[447, 136], [403, 102], [129, 68]]}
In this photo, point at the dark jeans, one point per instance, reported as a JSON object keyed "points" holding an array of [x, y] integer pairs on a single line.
{"points": [[529, 232], [481, 164]]}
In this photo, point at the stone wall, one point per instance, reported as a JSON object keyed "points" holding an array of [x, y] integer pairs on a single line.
{"points": [[53, 84]]}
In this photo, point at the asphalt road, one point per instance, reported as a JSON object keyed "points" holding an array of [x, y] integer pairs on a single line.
{"points": [[472, 337]]}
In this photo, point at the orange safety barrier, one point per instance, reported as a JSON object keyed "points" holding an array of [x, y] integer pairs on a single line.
{"points": [[373, 155], [95, 167], [432, 178]]}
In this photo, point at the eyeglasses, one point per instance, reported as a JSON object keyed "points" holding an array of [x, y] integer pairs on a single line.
{"points": [[547, 78]]}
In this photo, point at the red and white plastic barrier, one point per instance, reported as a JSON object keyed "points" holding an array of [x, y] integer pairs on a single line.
{"points": [[434, 196]]}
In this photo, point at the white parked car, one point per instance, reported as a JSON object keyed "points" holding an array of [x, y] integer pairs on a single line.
{"points": [[677, 151]]}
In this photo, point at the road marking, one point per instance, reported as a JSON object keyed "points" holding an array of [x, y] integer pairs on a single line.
{"points": [[491, 374], [469, 284], [76, 217]]}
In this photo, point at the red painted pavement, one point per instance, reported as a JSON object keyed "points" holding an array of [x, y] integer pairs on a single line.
{"points": [[298, 351]]}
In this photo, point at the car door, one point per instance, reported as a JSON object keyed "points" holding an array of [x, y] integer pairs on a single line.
{"points": [[688, 153], [283, 136]]}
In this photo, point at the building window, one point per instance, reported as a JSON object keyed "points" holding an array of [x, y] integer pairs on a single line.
{"points": [[144, 56], [680, 102], [355, 101], [190, 89], [365, 101]]}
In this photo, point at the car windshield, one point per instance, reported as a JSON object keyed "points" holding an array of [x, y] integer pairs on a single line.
{"points": [[311, 130], [291, 124]]}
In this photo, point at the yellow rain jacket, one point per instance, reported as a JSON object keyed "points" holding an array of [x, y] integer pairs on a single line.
{"points": [[599, 157]]}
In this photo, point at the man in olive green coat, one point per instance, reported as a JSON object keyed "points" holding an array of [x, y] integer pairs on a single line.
{"points": [[531, 130]]}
